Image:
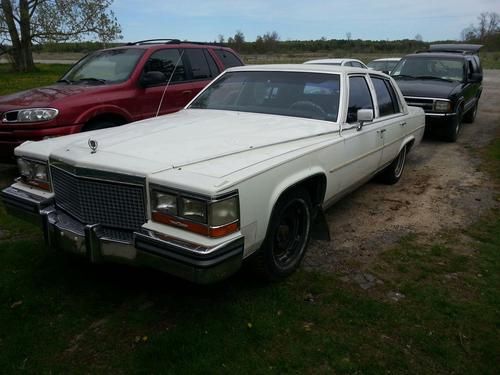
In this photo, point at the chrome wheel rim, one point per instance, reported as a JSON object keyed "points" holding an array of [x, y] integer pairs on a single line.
{"points": [[290, 237]]}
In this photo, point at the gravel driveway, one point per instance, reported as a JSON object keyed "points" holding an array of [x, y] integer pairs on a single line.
{"points": [[442, 188]]}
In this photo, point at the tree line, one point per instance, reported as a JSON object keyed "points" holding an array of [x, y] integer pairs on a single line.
{"points": [[62, 25]]}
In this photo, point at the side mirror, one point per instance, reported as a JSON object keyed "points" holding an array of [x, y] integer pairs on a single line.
{"points": [[476, 77], [364, 115], [153, 78], [386, 72]]}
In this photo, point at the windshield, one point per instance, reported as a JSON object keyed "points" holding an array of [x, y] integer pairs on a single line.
{"points": [[298, 94], [431, 67], [109, 66]]}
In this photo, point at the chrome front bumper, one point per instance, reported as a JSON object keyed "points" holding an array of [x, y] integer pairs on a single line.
{"points": [[186, 260]]}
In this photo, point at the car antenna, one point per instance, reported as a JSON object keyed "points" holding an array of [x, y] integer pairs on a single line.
{"points": [[168, 83]]}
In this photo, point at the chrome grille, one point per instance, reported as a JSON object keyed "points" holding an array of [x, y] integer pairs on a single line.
{"points": [[424, 103], [98, 201]]}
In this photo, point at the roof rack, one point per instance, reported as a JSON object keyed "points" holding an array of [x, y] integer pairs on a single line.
{"points": [[171, 41], [465, 49], [154, 41]]}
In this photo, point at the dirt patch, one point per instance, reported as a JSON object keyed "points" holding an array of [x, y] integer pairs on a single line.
{"points": [[442, 188]]}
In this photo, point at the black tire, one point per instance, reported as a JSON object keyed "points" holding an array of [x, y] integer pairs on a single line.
{"points": [[393, 172], [452, 131], [99, 124], [470, 116], [287, 236]]}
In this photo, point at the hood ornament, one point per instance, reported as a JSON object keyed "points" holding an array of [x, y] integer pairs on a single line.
{"points": [[93, 144]]}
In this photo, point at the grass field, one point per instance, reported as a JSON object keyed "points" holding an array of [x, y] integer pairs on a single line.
{"points": [[437, 310]]}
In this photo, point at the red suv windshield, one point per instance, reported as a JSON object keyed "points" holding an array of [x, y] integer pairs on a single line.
{"points": [[110, 66]]}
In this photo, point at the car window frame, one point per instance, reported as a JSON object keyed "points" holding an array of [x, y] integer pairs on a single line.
{"points": [[188, 73], [368, 82], [392, 93]]}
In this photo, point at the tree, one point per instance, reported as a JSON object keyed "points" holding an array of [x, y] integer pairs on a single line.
{"points": [[488, 26], [27, 22], [418, 38], [348, 35]]}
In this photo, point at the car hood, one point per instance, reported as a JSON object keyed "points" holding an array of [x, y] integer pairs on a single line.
{"points": [[431, 88], [181, 139], [45, 96]]}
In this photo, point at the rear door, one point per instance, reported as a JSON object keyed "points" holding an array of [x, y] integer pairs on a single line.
{"points": [[390, 117]]}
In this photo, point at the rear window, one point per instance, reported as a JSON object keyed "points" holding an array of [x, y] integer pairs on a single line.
{"points": [[228, 59]]}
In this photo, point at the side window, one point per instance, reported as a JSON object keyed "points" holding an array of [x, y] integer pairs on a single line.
{"points": [[164, 61], [348, 63], [228, 59], [211, 63], [386, 97], [356, 64], [199, 64], [359, 98]]}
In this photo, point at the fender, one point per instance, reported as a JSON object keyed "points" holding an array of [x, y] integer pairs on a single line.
{"points": [[104, 109], [289, 182], [408, 139]]}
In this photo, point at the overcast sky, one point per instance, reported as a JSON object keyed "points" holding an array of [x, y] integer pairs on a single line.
{"points": [[204, 20]]}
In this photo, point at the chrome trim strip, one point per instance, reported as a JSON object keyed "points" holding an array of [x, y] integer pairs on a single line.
{"points": [[426, 98], [95, 174], [431, 114], [189, 247]]}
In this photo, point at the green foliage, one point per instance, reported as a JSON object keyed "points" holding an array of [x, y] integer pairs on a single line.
{"points": [[45, 74]]}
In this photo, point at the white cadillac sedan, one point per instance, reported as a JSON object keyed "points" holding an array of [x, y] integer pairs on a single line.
{"points": [[243, 172]]}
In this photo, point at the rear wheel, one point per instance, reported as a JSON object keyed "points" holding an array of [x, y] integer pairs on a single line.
{"points": [[393, 172], [287, 236]]}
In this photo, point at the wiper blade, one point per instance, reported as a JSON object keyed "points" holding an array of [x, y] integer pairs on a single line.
{"points": [[433, 77], [403, 76], [91, 79], [64, 80]]}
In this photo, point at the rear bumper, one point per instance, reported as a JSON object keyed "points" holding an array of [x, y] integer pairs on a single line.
{"points": [[186, 260]]}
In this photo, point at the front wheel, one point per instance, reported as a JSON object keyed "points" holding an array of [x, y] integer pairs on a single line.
{"points": [[287, 236], [393, 172], [453, 128], [470, 116]]}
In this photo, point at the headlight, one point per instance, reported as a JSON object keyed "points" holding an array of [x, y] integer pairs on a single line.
{"points": [[193, 209], [165, 203], [442, 106], [212, 218], [35, 173], [30, 115]]}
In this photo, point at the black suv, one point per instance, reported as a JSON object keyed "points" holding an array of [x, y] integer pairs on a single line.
{"points": [[446, 81]]}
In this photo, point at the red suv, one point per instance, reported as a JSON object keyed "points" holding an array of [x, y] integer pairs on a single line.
{"points": [[112, 87]]}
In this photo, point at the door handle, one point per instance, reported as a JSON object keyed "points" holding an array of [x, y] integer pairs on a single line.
{"points": [[403, 123], [381, 132], [187, 92]]}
